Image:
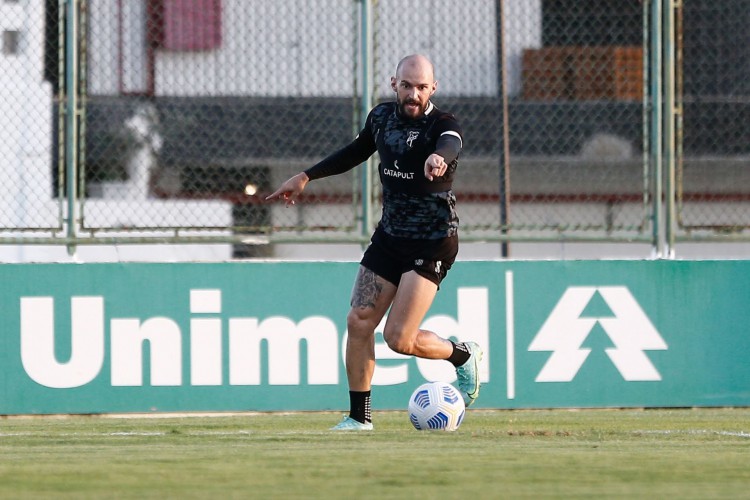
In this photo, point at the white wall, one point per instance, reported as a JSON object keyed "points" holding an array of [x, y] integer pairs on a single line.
{"points": [[26, 126], [116, 55], [295, 48]]}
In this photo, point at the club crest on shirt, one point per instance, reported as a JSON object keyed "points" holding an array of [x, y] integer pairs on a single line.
{"points": [[413, 134]]}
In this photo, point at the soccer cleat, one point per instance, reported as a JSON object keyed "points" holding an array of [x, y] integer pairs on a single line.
{"points": [[349, 424], [468, 374]]}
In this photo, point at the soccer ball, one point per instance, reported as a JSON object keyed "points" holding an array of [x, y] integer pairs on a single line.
{"points": [[436, 406]]}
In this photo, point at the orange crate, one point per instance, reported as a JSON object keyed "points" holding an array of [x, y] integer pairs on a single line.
{"points": [[582, 73], [546, 74], [608, 73]]}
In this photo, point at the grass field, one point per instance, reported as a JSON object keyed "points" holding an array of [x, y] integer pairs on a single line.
{"points": [[701, 453]]}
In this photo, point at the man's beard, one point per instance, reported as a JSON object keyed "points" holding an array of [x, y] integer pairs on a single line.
{"points": [[406, 111]]}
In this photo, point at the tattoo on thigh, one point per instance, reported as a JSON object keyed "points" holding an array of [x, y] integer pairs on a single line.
{"points": [[366, 289]]}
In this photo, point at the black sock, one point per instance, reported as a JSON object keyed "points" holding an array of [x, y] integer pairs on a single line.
{"points": [[460, 354], [360, 406]]}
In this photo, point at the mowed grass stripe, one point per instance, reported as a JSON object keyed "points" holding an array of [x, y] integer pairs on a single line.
{"points": [[495, 454]]}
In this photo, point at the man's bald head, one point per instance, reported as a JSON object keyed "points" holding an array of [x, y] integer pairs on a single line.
{"points": [[414, 85], [416, 62]]}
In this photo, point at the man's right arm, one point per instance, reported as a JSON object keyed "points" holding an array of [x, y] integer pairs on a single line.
{"points": [[345, 159]]}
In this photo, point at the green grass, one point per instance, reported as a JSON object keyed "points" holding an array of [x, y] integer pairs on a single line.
{"points": [[495, 454]]}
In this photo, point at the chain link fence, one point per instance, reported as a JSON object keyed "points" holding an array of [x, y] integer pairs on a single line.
{"points": [[713, 88], [552, 109], [191, 111], [29, 191], [215, 103]]}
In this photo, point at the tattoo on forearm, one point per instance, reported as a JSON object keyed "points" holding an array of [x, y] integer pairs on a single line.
{"points": [[366, 289]]}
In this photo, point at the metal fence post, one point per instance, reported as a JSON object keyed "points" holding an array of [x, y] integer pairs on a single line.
{"points": [[504, 149], [71, 119], [669, 127], [656, 142], [367, 69]]}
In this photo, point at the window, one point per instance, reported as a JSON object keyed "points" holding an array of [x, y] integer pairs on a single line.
{"points": [[10, 42], [192, 25]]}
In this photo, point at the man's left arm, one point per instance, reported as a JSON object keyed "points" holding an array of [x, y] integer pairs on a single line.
{"points": [[447, 149]]}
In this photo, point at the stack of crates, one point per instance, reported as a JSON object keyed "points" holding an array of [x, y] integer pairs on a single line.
{"points": [[583, 73]]}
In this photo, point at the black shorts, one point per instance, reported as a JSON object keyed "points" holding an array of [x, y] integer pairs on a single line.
{"points": [[390, 257]]}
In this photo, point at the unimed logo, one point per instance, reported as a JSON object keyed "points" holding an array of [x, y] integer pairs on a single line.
{"points": [[245, 341], [568, 326]]}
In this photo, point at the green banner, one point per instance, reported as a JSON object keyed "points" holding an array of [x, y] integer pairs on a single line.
{"points": [[103, 338]]}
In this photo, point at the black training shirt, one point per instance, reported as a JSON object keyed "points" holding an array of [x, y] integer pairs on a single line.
{"points": [[413, 206]]}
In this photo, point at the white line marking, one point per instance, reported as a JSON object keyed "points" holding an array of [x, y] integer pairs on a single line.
{"points": [[510, 336], [697, 431], [125, 434], [135, 434]]}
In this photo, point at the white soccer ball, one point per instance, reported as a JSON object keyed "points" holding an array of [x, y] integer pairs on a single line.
{"points": [[436, 406]]}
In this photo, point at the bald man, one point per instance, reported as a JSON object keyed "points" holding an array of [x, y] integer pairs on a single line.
{"points": [[416, 240]]}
